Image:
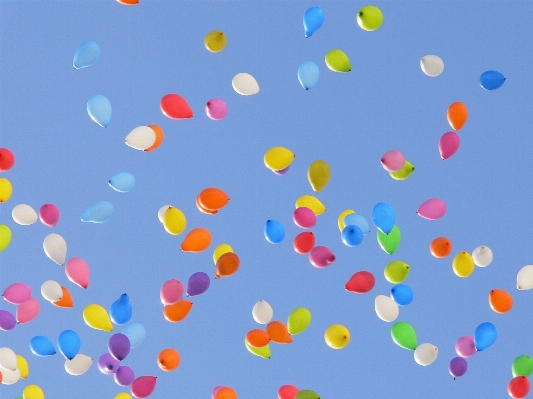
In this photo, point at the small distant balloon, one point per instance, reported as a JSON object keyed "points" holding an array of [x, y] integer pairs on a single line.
{"points": [[432, 65], [465, 346], [86, 54], [177, 311], [524, 278], [384, 217], [99, 109], [278, 158], [491, 80], [482, 256], [311, 202], [287, 392], [17, 293], [141, 138], [500, 301], [107, 364], [318, 174], [79, 365], [168, 359], [7, 159], [361, 282], [262, 312], [389, 242], [119, 346], [396, 271], [197, 284], [174, 221], [463, 264], [69, 344], [42, 346], [386, 308], [404, 335], [337, 61], [159, 136], [402, 294], [227, 265], [215, 41], [5, 236], [95, 316], [313, 20], [432, 209], [369, 18], [77, 271], [337, 336], [175, 106], [274, 231], [216, 109], [304, 242], [24, 215], [299, 320], [171, 292], [448, 144], [308, 74], [51, 291], [245, 84], [196, 240], [6, 189], [99, 212], [457, 367], [392, 161], [122, 182], [7, 320], [304, 217], [121, 310], [440, 247], [321, 256], [426, 353], [485, 335], [124, 376], [49, 215], [457, 115], [127, 3], [352, 236]]}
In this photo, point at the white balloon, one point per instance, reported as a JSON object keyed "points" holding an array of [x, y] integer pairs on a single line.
{"points": [[524, 278], [79, 364], [245, 84], [9, 377], [55, 247], [8, 359], [161, 212], [51, 291], [262, 312], [141, 138], [386, 308], [482, 256], [24, 214], [425, 354], [432, 65]]}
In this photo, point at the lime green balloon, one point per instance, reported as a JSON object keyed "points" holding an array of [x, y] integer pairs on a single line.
{"points": [[338, 61], [306, 394], [522, 365], [5, 237], [404, 172], [389, 242], [396, 271], [369, 18], [264, 351], [298, 320], [404, 335]]}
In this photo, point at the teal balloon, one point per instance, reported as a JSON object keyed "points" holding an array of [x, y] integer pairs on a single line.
{"points": [[99, 212], [390, 242], [122, 182], [86, 54], [491, 80], [308, 74], [352, 236], [274, 231], [136, 333], [313, 20], [42, 346], [121, 310], [357, 220], [99, 109], [484, 336], [402, 294], [69, 344], [383, 217]]}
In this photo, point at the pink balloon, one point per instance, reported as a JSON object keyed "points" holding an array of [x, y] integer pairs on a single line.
{"points": [[17, 293], [215, 390], [392, 161], [77, 271], [28, 310], [465, 346], [171, 292], [304, 217], [287, 392], [448, 144], [281, 172], [49, 215], [432, 209], [143, 386], [321, 256], [216, 109]]}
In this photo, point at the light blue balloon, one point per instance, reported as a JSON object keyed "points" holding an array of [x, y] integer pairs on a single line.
{"points": [[491, 80], [86, 54], [352, 236], [313, 20], [99, 109], [99, 212], [485, 335], [402, 294], [42, 346], [383, 217], [274, 231], [122, 182], [308, 74], [356, 219], [69, 344], [120, 311], [136, 333]]}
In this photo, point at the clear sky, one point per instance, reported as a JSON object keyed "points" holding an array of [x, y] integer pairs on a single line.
{"points": [[348, 119]]}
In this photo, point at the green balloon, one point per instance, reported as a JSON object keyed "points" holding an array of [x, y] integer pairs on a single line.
{"points": [[369, 18], [404, 335], [307, 394], [338, 61], [298, 320], [396, 271], [389, 242], [5, 237], [261, 352], [522, 365], [404, 172]]}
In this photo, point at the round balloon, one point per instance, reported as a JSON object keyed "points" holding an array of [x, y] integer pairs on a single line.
{"points": [[337, 336], [432, 65], [369, 18]]}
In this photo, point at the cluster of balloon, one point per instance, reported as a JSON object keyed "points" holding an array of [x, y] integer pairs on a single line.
{"points": [[521, 369], [223, 392], [175, 308], [119, 347], [145, 138], [449, 142], [28, 307], [292, 392], [13, 367], [7, 160], [56, 294], [464, 263]]}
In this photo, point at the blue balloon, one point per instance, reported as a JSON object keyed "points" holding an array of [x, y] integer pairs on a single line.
{"points": [[491, 80], [136, 333], [122, 182], [69, 344], [86, 54], [355, 219], [352, 236], [308, 74], [120, 312], [402, 294], [484, 336], [313, 19], [99, 212], [383, 217], [274, 232], [42, 346], [99, 109]]}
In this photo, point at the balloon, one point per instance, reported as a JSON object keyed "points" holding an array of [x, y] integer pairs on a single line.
{"points": [[55, 247], [69, 343], [500, 301], [308, 74], [352, 236], [6, 189], [257, 338], [491, 80], [7, 320], [122, 182], [135, 333], [124, 376], [457, 367], [79, 365], [306, 394], [168, 359], [5, 237], [298, 321], [95, 316], [337, 61], [278, 332], [484, 336], [369, 18], [432, 209], [457, 115], [262, 312], [8, 359], [337, 336], [313, 20], [197, 240], [277, 158], [198, 283], [221, 250], [141, 138], [77, 271], [440, 247], [396, 271], [432, 65], [524, 278], [287, 392], [49, 215], [123, 395], [23, 367], [143, 386], [24, 215], [274, 231], [126, 3], [171, 292], [178, 311], [321, 256], [213, 198], [448, 144], [355, 219], [402, 294], [318, 175], [120, 311], [10, 377], [361, 282], [312, 203], [7, 159], [161, 212], [51, 291], [99, 212], [304, 217], [119, 346], [425, 354], [404, 335], [174, 221], [17, 293], [227, 265], [383, 217], [99, 109], [226, 393], [86, 54], [32, 392], [389, 242], [159, 136], [66, 299], [216, 109], [42, 346], [465, 346], [204, 210], [215, 41], [482, 256], [386, 308], [245, 85], [27, 311], [263, 352], [107, 364], [341, 221], [175, 106], [304, 242], [392, 161], [463, 264], [281, 172], [518, 387], [404, 172], [522, 366]]}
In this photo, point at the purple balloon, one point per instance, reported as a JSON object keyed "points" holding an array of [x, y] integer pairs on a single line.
{"points": [[198, 284], [465, 346], [124, 376], [107, 364], [281, 172], [119, 346], [457, 367], [7, 320]]}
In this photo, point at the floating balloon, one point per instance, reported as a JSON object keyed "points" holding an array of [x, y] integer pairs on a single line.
{"points": [[216, 109], [17, 293], [215, 41], [491, 80], [175, 106], [77, 271], [213, 199], [386, 308], [5, 237], [318, 175], [307, 394], [321, 256], [308, 74], [465, 346], [99, 109], [69, 343], [171, 292], [522, 366], [440, 247], [281, 172], [278, 332], [518, 387], [312, 203], [121, 310], [79, 365], [198, 283], [10, 377], [135, 333], [7, 159], [168, 359], [274, 231], [396, 271], [225, 393], [126, 3], [392, 161], [404, 335], [141, 138], [174, 221], [24, 215], [119, 346], [463, 264], [196, 240], [177, 311], [42, 346], [66, 299], [159, 136], [124, 376], [107, 364], [352, 236], [384, 217], [484, 336], [263, 352], [8, 359], [27, 311], [298, 321], [355, 219], [482, 256], [257, 338], [337, 336], [221, 250], [142, 387], [32, 392], [457, 367], [55, 247], [204, 210], [304, 217], [369, 18], [361, 282], [304, 242], [99, 212], [122, 182], [123, 395], [432, 65], [7, 320], [6, 189], [227, 265], [337, 61], [500, 301], [341, 220], [389, 242], [49, 215], [278, 158], [262, 312], [313, 20], [287, 392], [86, 54], [95, 316], [402, 294], [404, 172], [425, 354], [524, 278], [457, 115], [448, 144], [432, 209], [245, 85], [51, 291]]}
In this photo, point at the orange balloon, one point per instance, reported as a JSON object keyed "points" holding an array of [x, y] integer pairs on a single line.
{"points": [[457, 115], [500, 301], [197, 240], [213, 198], [168, 359], [177, 311], [128, 2], [203, 210], [226, 393], [0, 377], [159, 135], [440, 247], [278, 332], [257, 338], [227, 264], [66, 301]]}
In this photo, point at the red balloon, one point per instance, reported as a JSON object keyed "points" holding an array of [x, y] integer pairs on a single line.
{"points": [[287, 392], [175, 107], [361, 282], [304, 242], [518, 387], [7, 159]]}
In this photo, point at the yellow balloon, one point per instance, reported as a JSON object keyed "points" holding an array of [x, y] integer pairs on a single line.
{"points": [[122, 395], [463, 264], [215, 41], [174, 221], [278, 158], [337, 336], [264, 351], [338, 61], [6, 189], [5, 236], [340, 220], [221, 250], [33, 392], [22, 365], [404, 172], [96, 316], [312, 203], [318, 174]]}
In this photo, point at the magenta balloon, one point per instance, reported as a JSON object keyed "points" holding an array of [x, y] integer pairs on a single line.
{"points": [[28, 310], [7, 320], [107, 364], [49, 215], [142, 387], [119, 346], [465, 346], [215, 390], [432, 209], [198, 284], [77, 271], [17, 293], [281, 172], [321, 256], [304, 217], [392, 161], [457, 367], [216, 109], [448, 144], [171, 292], [124, 376]]}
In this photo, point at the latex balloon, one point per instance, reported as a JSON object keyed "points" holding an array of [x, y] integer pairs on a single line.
{"points": [[32, 392], [159, 136], [178, 311], [312, 203], [396, 271], [55, 247], [216, 109], [287, 392], [17, 293], [274, 231], [404, 172], [174, 221], [79, 365], [440, 247], [463, 264], [278, 158], [522, 366], [161, 212], [262, 312], [123, 395], [245, 84], [457, 367], [227, 265], [402, 294], [69, 343], [7, 159], [107, 364], [99, 212], [175, 106], [342, 217], [6, 189], [361, 282], [49, 215], [425, 354], [281, 172], [66, 299], [168, 359], [278, 332], [197, 240], [321, 256], [142, 387], [99, 109], [352, 236], [404, 335], [141, 138], [10, 377], [5, 237], [204, 210], [42, 346], [119, 346], [313, 20], [257, 338], [226, 393], [457, 115], [337, 61], [500, 301], [384, 217], [308, 74], [221, 250], [392, 161], [171, 292], [355, 219], [263, 352], [485, 335], [51, 291], [213, 198], [482, 256], [122, 182], [7, 320], [299, 320], [121, 310], [8, 359], [524, 278], [307, 394], [448, 144], [86, 54], [318, 175], [304, 242], [77, 271], [518, 387], [136, 333], [27, 311], [304, 217], [465, 346], [126, 3], [432, 209], [369, 18], [198, 283], [386, 308], [389, 242], [24, 215], [432, 65], [95, 316], [124, 376], [215, 41], [337, 336], [491, 80]]}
